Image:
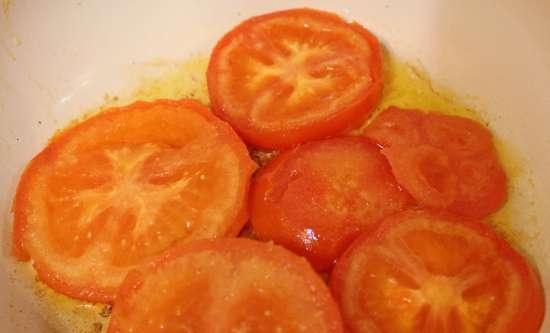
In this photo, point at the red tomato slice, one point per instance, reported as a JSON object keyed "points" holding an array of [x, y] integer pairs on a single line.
{"points": [[422, 272], [225, 285], [444, 162], [122, 186], [316, 198], [296, 75]]}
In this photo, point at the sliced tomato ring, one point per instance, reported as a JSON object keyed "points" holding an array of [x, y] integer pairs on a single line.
{"points": [[122, 186], [296, 75], [424, 272], [444, 162], [225, 285], [316, 198]]}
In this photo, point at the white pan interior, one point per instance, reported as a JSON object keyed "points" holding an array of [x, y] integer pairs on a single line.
{"points": [[60, 58]]}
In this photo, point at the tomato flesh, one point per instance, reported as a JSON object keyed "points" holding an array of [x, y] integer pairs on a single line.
{"points": [[123, 186], [296, 75], [424, 272], [426, 172], [316, 198], [444, 162], [226, 285]]}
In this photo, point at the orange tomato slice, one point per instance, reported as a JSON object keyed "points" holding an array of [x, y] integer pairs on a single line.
{"points": [[225, 285], [124, 185], [423, 272], [296, 75]]}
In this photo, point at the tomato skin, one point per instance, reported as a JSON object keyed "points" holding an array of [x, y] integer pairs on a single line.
{"points": [[223, 261], [22, 205], [284, 136], [19, 215], [529, 312], [316, 198]]}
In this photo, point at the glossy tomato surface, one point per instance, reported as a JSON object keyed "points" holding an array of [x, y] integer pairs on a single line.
{"points": [[316, 198]]}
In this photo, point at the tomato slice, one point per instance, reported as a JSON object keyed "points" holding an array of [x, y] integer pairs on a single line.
{"points": [[444, 162], [122, 186], [225, 285], [423, 272], [316, 198], [296, 75]]}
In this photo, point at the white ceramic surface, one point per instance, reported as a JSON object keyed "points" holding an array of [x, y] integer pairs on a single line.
{"points": [[58, 58]]}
